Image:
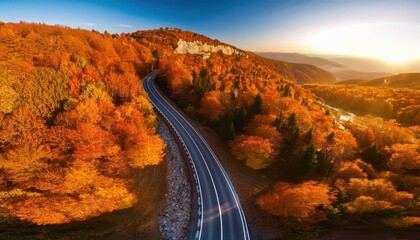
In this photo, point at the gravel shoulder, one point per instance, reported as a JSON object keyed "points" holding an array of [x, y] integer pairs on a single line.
{"points": [[175, 217]]}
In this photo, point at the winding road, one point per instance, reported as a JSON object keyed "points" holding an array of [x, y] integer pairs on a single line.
{"points": [[220, 214]]}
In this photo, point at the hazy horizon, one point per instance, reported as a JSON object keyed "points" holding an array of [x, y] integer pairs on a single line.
{"points": [[383, 30]]}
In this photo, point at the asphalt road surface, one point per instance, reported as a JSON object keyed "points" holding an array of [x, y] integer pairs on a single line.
{"points": [[220, 214]]}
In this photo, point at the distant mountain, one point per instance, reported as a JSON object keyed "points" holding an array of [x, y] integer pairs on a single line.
{"points": [[405, 80], [302, 73], [372, 65], [352, 82], [340, 71], [353, 74], [300, 58]]}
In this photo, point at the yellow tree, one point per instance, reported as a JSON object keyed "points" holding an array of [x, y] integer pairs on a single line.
{"points": [[148, 150], [8, 98]]}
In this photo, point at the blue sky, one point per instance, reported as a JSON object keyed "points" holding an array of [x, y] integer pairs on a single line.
{"points": [[384, 29]]}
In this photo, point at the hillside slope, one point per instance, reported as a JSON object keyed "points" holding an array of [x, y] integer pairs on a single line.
{"points": [[404, 80], [353, 74], [76, 128], [402, 104], [302, 73]]}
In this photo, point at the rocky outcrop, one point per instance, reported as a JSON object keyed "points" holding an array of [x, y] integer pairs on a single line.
{"points": [[198, 47]]}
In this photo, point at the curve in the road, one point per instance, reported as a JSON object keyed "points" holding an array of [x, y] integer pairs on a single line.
{"points": [[220, 213]]}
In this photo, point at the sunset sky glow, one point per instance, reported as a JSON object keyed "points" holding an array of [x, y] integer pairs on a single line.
{"points": [[387, 30]]}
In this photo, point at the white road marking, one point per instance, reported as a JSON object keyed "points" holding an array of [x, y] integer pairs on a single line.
{"points": [[225, 175], [208, 170]]}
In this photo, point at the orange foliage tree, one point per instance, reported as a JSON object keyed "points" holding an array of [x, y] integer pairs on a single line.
{"points": [[210, 107], [378, 189], [404, 157], [349, 170], [257, 152], [303, 201]]}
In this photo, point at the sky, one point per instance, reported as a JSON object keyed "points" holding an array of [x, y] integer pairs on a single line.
{"points": [[386, 30]]}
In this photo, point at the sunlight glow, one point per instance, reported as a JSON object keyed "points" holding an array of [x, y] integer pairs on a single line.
{"points": [[396, 43]]}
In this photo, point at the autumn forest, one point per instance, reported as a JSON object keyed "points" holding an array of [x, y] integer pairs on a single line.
{"points": [[77, 128], [75, 123]]}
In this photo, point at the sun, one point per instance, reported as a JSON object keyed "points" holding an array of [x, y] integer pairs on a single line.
{"points": [[391, 42]]}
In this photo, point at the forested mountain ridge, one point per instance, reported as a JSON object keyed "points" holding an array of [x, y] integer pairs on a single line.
{"points": [[299, 73], [303, 73]]}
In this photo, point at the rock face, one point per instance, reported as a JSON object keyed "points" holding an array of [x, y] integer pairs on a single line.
{"points": [[198, 47], [174, 219]]}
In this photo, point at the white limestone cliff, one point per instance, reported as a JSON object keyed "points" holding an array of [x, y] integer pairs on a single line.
{"points": [[198, 47]]}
